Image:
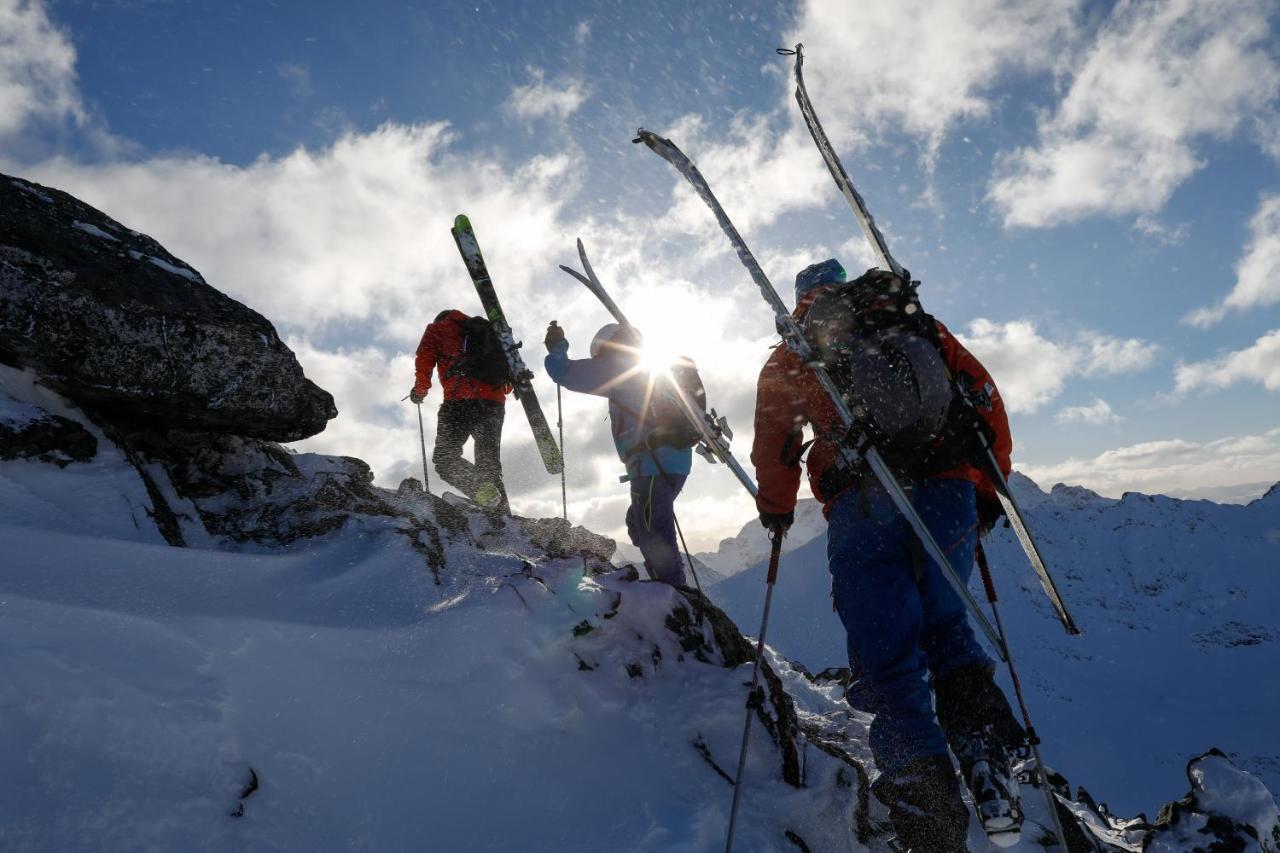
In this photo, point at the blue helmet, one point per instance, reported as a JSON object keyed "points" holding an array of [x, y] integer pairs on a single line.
{"points": [[828, 272]]}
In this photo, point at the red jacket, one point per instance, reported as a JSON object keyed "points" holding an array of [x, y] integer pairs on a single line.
{"points": [[788, 396], [441, 345]]}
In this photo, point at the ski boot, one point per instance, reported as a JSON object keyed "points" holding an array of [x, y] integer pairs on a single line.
{"points": [[925, 806], [987, 768]]}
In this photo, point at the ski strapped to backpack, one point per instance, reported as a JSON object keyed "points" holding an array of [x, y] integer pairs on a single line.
{"points": [[712, 429], [881, 248], [857, 447], [521, 377]]}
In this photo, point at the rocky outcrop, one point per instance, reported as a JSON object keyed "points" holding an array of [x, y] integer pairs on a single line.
{"points": [[28, 432], [1225, 810], [114, 322]]}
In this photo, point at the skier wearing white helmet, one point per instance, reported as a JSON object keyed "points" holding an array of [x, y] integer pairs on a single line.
{"points": [[656, 470]]}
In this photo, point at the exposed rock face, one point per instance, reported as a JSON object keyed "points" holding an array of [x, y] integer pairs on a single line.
{"points": [[28, 432], [116, 323]]}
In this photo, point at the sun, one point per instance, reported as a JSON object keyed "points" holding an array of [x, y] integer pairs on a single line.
{"points": [[658, 355]]}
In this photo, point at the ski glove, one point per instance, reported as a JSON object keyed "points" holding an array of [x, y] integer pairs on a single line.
{"points": [[416, 398], [990, 511], [777, 520], [555, 335]]}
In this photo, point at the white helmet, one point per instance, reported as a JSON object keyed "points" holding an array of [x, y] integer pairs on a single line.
{"points": [[611, 335]]}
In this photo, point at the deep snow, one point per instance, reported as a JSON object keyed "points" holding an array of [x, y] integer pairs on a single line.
{"points": [[521, 702]]}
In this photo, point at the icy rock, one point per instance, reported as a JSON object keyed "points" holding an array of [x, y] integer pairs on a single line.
{"points": [[1226, 809], [558, 538], [28, 432], [116, 323]]}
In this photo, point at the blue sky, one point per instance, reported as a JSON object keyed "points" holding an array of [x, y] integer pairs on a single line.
{"points": [[1071, 181]]}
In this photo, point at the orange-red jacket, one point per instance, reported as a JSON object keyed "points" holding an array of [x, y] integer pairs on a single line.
{"points": [[440, 347], [788, 397]]}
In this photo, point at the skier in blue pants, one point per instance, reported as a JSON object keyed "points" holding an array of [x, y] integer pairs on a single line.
{"points": [[656, 471], [916, 663]]}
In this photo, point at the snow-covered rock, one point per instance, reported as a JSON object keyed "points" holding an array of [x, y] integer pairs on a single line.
{"points": [[1226, 809], [115, 322]]}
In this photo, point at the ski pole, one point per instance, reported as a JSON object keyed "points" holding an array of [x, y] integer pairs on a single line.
{"points": [[688, 557], [755, 699], [422, 434], [564, 493], [1033, 739]]}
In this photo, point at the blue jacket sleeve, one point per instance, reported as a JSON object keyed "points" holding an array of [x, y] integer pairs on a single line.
{"points": [[584, 375]]}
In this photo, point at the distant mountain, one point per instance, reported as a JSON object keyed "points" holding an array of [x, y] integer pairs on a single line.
{"points": [[1177, 601], [751, 545]]}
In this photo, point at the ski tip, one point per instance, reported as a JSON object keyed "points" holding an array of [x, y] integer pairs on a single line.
{"points": [[461, 223]]}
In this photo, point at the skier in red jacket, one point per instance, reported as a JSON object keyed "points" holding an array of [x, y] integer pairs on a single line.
{"points": [[472, 408], [907, 628]]}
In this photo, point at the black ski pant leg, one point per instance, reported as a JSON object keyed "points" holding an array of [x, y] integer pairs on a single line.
{"points": [[968, 700], [453, 428], [487, 430]]}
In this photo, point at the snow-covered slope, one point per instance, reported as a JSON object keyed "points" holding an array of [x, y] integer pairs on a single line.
{"points": [[514, 692], [336, 691], [1177, 601]]}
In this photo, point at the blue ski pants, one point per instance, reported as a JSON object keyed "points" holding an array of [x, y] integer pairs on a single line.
{"points": [[904, 620], [651, 524]]}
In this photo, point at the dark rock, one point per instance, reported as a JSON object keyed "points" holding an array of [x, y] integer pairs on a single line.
{"points": [[778, 713], [248, 490], [46, 437], [1225, 810], [557, 538], [113, 321]]}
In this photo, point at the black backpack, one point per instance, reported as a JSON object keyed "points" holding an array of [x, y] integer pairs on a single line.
{"points": [[482, 357], [882, 351], [668, 426]]}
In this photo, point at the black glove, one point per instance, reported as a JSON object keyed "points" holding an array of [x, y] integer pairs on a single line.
{"points": [[416, 398], [990, 511], [778, 520], [555, 335]]}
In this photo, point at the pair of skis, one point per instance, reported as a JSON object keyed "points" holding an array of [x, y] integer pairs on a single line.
{"points": [[521, 377]]}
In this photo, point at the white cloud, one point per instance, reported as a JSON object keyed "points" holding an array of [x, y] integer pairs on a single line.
{"points": [[541, 99], [756, 173], [582, 32], [1032, 370], [357, 232], [1170, 466], [1160, 78], [1257, 363], [764, 166], [1149, 225], [922, 65], [37, 70], [1257, 272], [1097, 413], [1106, 355]]}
